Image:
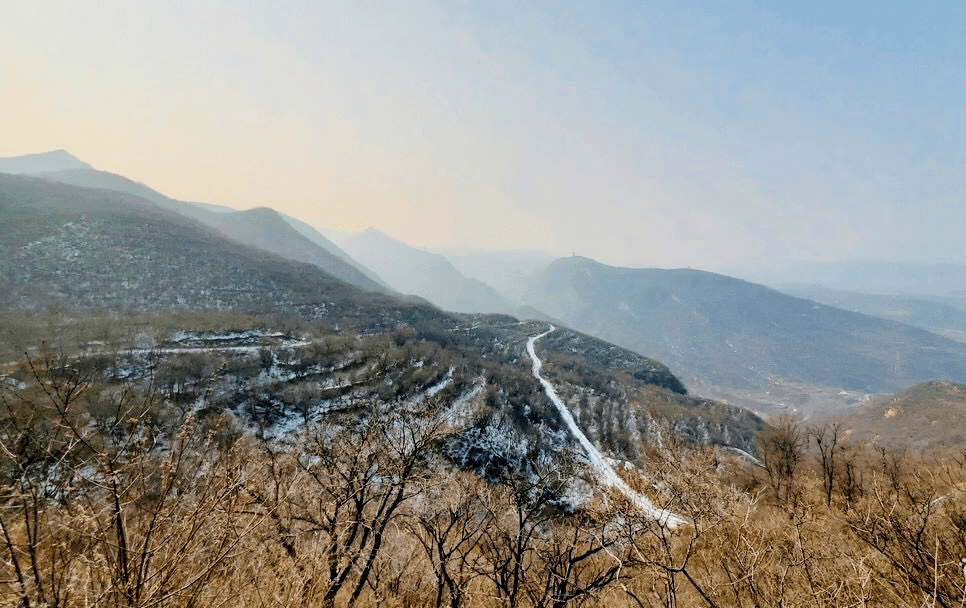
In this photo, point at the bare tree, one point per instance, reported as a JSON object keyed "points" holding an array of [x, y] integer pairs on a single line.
{"points": [[449, 526], [915, 517], [141, 517], [584, 553], [781, 452], [520, 508], [827, 441], [39, 454], [334, 494]]}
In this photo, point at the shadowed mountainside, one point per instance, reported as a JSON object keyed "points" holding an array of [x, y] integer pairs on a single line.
{"points": [[938, 314], [102, 248], [735, 334], [264, 230]]}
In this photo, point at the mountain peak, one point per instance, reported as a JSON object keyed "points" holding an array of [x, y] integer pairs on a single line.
{"points": [[44, 162], [261, 213], [374, 235], [371, 232]]}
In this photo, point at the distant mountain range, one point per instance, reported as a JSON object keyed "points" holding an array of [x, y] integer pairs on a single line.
{"points": [[263, 228], [45, 162], [943, 315], [725, 337], [429, 275], [70, 254], [735, 335], [509, 272], [873, 276]]}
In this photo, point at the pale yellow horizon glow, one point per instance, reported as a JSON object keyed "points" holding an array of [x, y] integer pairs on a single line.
{"points": [[634, 135], [196, 136]]}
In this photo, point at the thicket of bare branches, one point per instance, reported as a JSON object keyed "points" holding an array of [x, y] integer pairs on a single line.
{"points": [[111, 497]]}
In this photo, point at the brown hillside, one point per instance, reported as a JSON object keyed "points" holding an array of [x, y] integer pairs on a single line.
{"points": [[927, 417]]}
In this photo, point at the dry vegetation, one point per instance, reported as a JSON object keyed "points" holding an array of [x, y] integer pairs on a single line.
{"points": [[115, 496]]}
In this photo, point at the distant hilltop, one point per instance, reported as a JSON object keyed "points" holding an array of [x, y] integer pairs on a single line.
{"points": [[44, 162]]}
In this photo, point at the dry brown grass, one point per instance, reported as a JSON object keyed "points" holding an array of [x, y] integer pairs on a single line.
{"points": [[126, 510]]}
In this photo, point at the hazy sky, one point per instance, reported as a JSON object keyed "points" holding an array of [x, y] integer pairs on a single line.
{"points": [[636, 133]]}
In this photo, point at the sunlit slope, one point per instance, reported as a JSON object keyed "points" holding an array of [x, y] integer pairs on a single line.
{"points": [[926, 417]]}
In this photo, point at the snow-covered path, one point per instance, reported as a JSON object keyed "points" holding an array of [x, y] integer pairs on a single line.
{"points": [[606, 472]]}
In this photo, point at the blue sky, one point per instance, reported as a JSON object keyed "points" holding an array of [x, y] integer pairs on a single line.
{"points": [[644, 134]]}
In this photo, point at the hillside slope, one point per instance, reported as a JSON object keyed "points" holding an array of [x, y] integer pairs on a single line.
{"points": [[733, 334], [322, 241], [428, 275], [927, 417], [938, 314], [262, 230], [89, 253], [100, 248], [269, 230]]}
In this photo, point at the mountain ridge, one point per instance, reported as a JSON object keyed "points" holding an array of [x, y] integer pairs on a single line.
{"points": [[429, 275], [739, 335], [77, 254], [54, 160], [284, 239]]}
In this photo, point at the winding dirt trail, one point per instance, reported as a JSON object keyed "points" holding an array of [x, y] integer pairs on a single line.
{"points": [[606, 472]]}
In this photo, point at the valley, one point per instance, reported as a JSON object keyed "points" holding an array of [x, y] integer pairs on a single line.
{"points": [[201, 406], [729, 340]]}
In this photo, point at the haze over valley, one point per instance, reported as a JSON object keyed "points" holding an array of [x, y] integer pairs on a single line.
{"points": [[482, 305], [265, 328]]}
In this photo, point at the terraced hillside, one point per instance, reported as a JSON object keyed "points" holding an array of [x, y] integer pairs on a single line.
{"points": [[77, 249]]}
